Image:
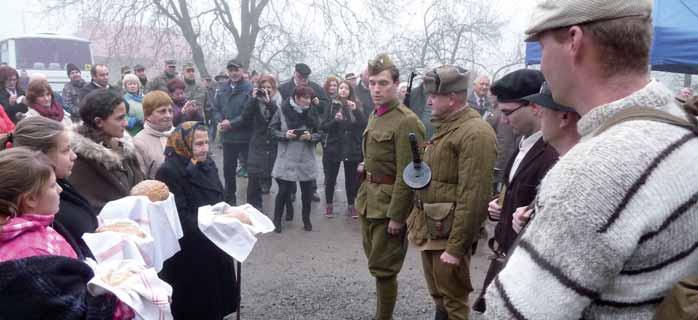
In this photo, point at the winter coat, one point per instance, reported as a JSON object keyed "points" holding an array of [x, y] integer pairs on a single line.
{"points": [[13, 110], [286, 90], [150, 144], [33, 113], [262, 152], [159, 83], [202, 275], [197, 92], [71, 97], [75, 214], [31, 235], [364, 95], [92, 87], [104, 174], [51, 287], [229, 104], [135, 117], [343, 137], [295, 159]]}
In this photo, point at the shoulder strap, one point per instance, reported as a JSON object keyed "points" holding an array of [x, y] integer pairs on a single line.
{"points": [[644, 113]]}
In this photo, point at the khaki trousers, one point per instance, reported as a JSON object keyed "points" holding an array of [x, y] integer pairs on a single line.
{"points": [[448, 285]]}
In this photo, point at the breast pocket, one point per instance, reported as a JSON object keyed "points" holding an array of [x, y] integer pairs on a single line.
{"points": [[380, 146]]}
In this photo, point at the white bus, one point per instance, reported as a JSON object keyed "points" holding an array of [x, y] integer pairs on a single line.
{"points": [[49, 54]]}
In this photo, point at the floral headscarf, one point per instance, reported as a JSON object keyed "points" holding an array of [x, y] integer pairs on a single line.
{"points": [[181, 140]]}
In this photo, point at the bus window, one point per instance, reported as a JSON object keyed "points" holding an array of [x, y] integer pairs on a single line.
{"points": [[51, 54], [4, 52]]}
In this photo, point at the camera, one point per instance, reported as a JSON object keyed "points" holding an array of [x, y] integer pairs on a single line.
{"points": [[261, 93]]}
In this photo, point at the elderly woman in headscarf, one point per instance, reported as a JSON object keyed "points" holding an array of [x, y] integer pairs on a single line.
{"points": [[201, 274]]}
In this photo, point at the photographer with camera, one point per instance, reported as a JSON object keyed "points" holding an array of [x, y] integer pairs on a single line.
{"points": [[295, 127], [184, 110], [262, 153], [344, 125]]}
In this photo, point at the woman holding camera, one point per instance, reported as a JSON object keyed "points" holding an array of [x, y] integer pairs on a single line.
{"points": [[295, 127], [184, 110], [262, 153], [343, 124]]}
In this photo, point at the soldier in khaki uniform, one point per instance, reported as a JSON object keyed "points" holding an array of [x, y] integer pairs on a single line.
{"points": [[194, 90], [448, 213], [384, 201], [160, 82]]}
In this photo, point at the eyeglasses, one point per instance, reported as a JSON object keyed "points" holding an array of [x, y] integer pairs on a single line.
{"points": [[510, 112]]}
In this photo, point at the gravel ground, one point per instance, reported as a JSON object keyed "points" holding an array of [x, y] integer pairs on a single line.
{"points": [[299, 275]]}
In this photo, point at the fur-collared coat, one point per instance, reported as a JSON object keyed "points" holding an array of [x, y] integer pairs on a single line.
{"points": [[104, 174]]}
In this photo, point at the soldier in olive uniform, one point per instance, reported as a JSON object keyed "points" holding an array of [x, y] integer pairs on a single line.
{"points": [[160, 82], [448, 213], [193, 90], [384, 201]]}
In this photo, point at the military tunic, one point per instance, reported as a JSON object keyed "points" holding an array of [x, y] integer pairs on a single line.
{"points": [[461, 155]]}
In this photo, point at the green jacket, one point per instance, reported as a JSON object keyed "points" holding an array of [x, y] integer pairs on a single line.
{"points": [[386, 149], [195, 91], [461, 155]]}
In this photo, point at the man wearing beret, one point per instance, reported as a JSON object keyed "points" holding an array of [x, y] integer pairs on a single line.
{"points": [[384, 201], [616, 218], [160, 82], [449, 212], [524, 170]]}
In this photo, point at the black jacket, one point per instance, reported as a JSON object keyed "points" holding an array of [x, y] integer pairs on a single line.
{"points": [[76, 215], [343, 137], [364, 95], [202, 275], [228, 105], [14, 109], [262, 153]]}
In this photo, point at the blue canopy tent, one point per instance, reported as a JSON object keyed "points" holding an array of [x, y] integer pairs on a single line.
{"points": [[675, 46]]}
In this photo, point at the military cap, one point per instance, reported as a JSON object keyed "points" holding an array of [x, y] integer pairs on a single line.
{"points": [[303, 69], [138, 67], [221, 75], [125, 70], [233, 64], [551, 14], [446, 79], [544, 98], [170, 62], [350, 76], [379, 64], [517, 85], [188, 65], [207, 77]]}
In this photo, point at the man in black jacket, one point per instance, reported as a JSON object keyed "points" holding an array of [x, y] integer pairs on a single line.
{"points": [[100, 79]]}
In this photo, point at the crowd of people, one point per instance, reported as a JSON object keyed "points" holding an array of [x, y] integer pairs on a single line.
{"points": [[584, 168]]}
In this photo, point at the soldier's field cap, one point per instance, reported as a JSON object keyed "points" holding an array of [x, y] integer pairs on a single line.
{"points": [[233, 64], [446, 79], [303, 69], [220, 76], [379, 64], [517, 85], [125, 69], [170, 62], [544, 98], [551, 14], [188, 66], [138, 67]]}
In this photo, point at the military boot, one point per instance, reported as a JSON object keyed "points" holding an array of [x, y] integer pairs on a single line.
{"points": [[386, 289], [440, 314]]}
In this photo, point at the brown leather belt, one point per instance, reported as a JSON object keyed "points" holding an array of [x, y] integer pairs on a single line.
{"points": [[379, 178]]}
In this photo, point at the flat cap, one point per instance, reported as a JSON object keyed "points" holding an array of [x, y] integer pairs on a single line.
{"points": [[303, 69], [125, 69], [350, 76], [188, 65], [446, 79], [379, 64], [544, 98], [138, 67], [232, 63], [551, 14], [517, 85], [170, 62]]}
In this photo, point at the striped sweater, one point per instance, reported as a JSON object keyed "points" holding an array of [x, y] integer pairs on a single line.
{"points": [[616, 225]]}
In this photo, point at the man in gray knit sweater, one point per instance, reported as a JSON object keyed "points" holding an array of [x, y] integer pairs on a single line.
{"points": [[616, 217]]}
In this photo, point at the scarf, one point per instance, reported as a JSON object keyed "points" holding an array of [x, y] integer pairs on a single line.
{"points": [[296, 116], [162, 132], [53, 112], [181, 140], [135, 97]]}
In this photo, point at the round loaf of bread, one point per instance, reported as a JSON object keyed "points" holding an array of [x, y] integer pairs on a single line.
{"points": [[122, 227], [238, 214], [153, 189]]}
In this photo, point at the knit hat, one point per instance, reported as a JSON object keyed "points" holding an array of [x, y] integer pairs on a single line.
{"points": [[70, 67]]}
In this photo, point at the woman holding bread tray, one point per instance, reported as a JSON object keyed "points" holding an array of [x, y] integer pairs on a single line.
{"points": [[201, 274]]}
